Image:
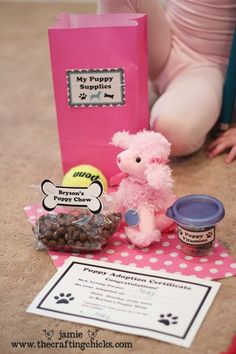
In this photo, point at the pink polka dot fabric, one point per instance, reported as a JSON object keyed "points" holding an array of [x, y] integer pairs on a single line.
{"points": [[165, 256]]}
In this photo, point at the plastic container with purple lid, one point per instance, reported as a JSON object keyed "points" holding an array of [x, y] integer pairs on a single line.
{"points": [[196, 216]]}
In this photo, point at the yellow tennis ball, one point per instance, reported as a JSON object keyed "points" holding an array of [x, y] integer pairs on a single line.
{"points": [[83, 176]]}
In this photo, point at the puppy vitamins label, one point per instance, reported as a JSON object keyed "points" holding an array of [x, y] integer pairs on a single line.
{"points": [[101, 87], [200, 237]]}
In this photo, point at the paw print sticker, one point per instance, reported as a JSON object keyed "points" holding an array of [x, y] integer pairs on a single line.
{"points": [[83, 96], [168, 319], [63, 299], [209, 234]]}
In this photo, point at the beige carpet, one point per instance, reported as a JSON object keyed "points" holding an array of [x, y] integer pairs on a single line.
{"points": [[30, 152]]}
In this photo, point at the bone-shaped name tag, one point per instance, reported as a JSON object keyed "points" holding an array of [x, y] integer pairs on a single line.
{"points": [[72, 196]]}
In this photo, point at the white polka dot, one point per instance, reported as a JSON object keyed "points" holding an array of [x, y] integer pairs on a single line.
{"points": [[171, 237], [219, 262], [224, 255], [132, 265], [40, 210], [203, 260], [153, 260], [216, 244], [188, 258], [27, 207], [168, 263], [159, 252], [174, 254], [103, 259], [147, 267], [178, 273], [123, 236], [54, 257], [213, 270], [162, 270], [178, 247], [110, 251], [32, 217], [228, 274], [145, 249], [165, 244], [198, 268], [130, 247], [124, 254], [89, 256], [138, 257], [183, 265], [117, 243], [117, 261], [233, 265]]}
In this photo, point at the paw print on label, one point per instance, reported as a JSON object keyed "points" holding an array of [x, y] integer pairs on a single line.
{"points": [[168, 319], [83, 96], [63, 299], [209, 234]]}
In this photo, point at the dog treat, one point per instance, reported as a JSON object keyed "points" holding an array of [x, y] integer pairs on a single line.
{"points": [[196, 216], [69, 232]]}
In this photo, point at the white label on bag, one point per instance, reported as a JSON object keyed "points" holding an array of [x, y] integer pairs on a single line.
{"points": [[72, 196], [196, 237], [101, 87]]}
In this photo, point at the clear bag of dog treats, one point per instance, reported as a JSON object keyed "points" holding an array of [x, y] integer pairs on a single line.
{"points": [[75, 230]]}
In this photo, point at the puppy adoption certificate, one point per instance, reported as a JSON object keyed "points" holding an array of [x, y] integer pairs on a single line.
{"points": [[138, 301]]}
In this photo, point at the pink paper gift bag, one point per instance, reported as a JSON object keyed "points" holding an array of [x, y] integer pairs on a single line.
{"points": [[99, 67]]}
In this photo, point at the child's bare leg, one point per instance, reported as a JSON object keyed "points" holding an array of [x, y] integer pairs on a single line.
{"points": [[189, 108]]}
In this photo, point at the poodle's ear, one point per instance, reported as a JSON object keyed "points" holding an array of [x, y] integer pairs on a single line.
{"points": [[122, 139], [159, 176]]}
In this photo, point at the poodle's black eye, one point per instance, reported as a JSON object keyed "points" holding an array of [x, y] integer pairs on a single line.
{"points": [[138, 159]]}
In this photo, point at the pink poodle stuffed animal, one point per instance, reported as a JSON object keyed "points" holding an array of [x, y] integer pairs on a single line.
{"points": [[148, 185]]}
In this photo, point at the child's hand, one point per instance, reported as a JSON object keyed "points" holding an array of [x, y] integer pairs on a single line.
{"points": [[227, 141]]}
